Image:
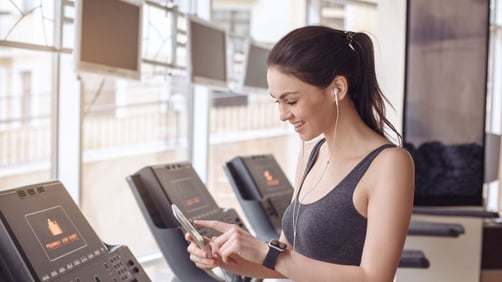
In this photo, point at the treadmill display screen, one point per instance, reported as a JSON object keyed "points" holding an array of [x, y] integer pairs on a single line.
{"points": [[267, 174], [185, 189], [47, 229], [55, 232], [187, 196]]}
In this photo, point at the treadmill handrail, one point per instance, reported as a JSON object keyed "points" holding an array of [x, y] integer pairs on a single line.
{"points": [[456, 212], [426, 228]]}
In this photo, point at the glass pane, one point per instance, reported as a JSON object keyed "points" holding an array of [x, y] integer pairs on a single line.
{"points": [[157, 36], [242, 125], [25, 117], [127, 125], [27, 21], [354, 17]]}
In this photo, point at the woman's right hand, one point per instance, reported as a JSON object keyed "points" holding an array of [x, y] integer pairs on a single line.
{"points": [[201, 258]]}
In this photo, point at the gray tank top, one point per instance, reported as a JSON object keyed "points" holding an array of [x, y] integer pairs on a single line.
{"points": [[330, 229]]}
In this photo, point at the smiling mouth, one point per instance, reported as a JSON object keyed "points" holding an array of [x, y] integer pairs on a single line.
{"points": [[298, 124]]}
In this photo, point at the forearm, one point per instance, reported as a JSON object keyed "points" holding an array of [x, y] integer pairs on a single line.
{"points": [[249, 269], [300, 268]]}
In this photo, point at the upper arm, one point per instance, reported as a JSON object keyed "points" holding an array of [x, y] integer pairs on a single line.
{"points": [[390, 203]]}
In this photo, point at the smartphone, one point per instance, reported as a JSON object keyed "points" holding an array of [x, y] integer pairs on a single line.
{"points": [[188, 227]]}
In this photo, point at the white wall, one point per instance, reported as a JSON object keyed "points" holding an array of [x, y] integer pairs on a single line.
{"points": [[390, 55]]}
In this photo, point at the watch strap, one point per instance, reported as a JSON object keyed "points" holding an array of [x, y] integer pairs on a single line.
{"points": [[272, 255]]}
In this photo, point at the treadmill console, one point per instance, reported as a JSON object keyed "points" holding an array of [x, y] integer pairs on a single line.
{"points": [[155, 189], [179, 184], [263, 190], [45, 237]]}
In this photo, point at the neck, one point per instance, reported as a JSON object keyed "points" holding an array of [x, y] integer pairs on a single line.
{"points": [[350, 132]]}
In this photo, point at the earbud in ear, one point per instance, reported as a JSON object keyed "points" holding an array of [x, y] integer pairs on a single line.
{"points": [[335, 94]]}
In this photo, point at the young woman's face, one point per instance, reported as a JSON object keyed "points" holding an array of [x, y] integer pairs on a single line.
{"points": [[309, 109]]}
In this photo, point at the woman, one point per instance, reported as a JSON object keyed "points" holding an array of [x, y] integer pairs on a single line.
{"points": [[350, 213]]}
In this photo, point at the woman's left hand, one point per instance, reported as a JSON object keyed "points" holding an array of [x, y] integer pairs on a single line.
{"points": [[235, 243]]}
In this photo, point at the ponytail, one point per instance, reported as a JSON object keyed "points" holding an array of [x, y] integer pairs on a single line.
{"points": [[367, 95]]}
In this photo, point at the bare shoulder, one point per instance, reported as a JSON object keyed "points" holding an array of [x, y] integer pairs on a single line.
{"points": [[393, 168], [396, 158]]}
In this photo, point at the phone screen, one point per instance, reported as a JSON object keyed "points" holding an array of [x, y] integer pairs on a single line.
{"points": [[188, 227]]}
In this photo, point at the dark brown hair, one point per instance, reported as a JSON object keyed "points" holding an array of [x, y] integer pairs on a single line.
{"points": [[317, 54]]}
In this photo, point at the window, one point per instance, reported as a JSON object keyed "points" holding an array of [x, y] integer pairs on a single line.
{"points": [[25, 117], [3, 94]]}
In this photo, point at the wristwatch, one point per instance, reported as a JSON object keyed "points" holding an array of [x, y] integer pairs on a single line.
{"points": [[275, 247]]}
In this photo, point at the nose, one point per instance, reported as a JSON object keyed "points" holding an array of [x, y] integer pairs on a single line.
{"points": [[285, 115]]}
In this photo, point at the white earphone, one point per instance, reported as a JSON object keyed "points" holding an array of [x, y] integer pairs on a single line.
{"points": [[335, 93]]}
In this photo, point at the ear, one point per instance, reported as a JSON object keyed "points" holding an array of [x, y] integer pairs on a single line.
{"points": [[339, 84]]}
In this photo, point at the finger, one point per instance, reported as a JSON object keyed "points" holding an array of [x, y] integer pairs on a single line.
{"points": [[214, 224], [214, 248], [227, 245], [234, 233], [194, 249], [217, 243], [204, 262], [229, 251], [188, 237], [201, 258]]}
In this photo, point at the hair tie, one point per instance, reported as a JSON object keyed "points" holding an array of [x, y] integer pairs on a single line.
{"points": [[349, 35]]}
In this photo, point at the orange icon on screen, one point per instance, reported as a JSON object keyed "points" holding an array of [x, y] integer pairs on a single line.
{"points": [[54, 227], [271, 181]]}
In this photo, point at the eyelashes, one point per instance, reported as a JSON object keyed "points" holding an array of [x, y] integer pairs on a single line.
{"points": [[287, 102]]}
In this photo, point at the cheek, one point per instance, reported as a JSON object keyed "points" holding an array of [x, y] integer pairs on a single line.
{"points": [[319, 117]]}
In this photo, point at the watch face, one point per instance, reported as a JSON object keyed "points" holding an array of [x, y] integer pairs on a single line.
{"points": [[278, 244]]}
